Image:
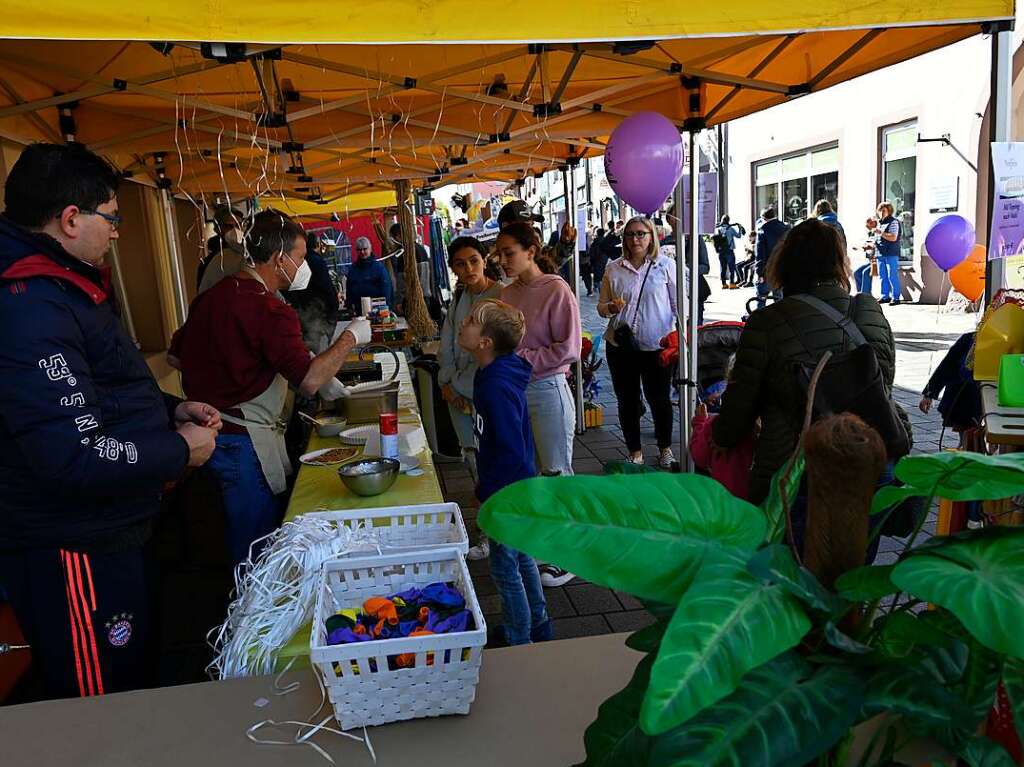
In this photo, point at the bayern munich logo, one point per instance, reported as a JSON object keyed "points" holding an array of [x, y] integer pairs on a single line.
{"points": [[119, 630]]}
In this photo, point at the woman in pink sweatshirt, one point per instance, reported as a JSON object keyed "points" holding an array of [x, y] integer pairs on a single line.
{"points": [[552, 342]]}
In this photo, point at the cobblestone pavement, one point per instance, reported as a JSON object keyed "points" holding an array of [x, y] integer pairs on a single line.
{"points": [[923, 334]]}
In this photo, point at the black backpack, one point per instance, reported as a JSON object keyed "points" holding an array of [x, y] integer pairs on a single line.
{"points": [[852, 382]]}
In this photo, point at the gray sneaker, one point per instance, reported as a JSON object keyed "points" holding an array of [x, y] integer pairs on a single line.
{"points": [[553, 576], [482, 550]]}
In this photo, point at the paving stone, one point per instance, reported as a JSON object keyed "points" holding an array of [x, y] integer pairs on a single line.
{"points": [[558, 603], [628, 601], [610, 453], [633, 620], [490, 603], [591, 599], [588, 466], [581, 626]]}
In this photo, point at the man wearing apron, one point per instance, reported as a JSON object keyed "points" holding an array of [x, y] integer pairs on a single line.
{"points": [[242, 347]]}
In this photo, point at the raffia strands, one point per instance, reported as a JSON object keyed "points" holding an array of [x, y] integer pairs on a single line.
{"points": [[420, 323], [844, 458]]}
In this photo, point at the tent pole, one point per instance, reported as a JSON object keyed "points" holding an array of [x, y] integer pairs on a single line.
{"points": [[691, 391], [177, 268], [678, 201], [999, 129], [569, 186]]}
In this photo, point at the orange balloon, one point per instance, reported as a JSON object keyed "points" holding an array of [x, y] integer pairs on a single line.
{"points": [[968, 277]]}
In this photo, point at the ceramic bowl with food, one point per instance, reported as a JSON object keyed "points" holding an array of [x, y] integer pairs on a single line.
{"points": [[330, 425], [371, 475]]}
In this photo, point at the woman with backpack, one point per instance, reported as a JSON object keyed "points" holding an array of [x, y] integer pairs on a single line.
{"points": [[779, 342]]}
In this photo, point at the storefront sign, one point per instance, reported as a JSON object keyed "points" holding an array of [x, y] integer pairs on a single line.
{"points": [[1006, 236], [944, 194], [707, 201]]}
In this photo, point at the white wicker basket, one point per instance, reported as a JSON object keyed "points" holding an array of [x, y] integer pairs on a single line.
{"points": [[408, 527], [443, 684]]}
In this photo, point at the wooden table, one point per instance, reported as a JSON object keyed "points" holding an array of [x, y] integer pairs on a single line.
{"points": [[532, 705]]}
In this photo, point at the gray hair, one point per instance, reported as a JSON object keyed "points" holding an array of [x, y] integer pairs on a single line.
{"points": [[363, 242]]}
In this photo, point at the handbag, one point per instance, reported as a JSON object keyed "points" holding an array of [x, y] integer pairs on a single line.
{"points": [[625, 340], [852, 382]]}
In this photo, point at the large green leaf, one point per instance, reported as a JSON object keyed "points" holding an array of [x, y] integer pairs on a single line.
{"points": [[900, 632], [1013, 682], [614, 739], [646, 534], [727, 624], [979, 577], [908, 691], [783, 713], [774, 509], [964, 476], [888, 496], [982, 752], [866, 584], [775, 564]]}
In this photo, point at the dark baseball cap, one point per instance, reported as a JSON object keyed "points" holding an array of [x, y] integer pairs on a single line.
{"points": [[517, 210]]}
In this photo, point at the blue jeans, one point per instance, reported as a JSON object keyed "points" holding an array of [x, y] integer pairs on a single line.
{"points": [[862, 278], [250, 508], [553, 421], [522, 597], [889, 272]]}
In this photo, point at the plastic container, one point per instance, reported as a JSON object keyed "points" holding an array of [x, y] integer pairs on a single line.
{"points": [[446, 668], [404, 528]]}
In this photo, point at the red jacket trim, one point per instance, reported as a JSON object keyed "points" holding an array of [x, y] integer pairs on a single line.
{"points": [[43, 266]]}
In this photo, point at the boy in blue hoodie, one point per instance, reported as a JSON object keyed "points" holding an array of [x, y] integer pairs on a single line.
{"points": [[491, 333]]}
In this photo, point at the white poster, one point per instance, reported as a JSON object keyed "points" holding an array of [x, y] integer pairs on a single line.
{"points": [[1007, 233], [944, 194]]}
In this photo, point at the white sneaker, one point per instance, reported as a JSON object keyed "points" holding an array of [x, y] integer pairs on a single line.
{"points": [[667, 458], [553, 576], [637, 458], [481, 551]]}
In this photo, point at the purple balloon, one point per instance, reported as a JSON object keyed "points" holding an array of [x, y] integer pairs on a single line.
{"points": [[644, 160], [949, 241]]}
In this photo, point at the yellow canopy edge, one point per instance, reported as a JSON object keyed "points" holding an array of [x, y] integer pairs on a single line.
{"points": [[352, 203], [441, 21]]}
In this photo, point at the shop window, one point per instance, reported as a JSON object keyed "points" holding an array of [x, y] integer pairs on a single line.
{"points": [[899, 179], [793, 183]]}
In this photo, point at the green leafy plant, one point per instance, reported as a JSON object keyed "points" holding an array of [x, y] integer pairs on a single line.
{"points": [[751, 660]]}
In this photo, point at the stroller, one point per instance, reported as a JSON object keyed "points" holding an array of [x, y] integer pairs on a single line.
{"points": [[716, 343]]}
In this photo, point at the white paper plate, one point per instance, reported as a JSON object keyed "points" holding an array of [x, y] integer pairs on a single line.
{"points": [[307, 458], [358, 435]]}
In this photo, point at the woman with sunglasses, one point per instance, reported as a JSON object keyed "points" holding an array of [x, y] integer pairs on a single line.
{"points": [[638, 295]]}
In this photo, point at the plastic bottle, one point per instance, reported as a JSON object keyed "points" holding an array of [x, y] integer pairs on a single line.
{"points": [[389, 425]]}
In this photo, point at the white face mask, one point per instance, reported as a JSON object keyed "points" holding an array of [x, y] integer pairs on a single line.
{"points": [[302, 274]]}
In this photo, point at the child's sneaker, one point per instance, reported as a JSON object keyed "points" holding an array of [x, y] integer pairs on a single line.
{"points": [[553, 576], [482, 550]]}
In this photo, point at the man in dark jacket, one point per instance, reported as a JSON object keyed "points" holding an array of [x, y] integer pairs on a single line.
{"points": [[367, 278], [769, 235], [87, 440]]}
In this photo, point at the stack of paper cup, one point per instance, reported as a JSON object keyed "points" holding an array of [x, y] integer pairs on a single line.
{"points": [[367, 306]]}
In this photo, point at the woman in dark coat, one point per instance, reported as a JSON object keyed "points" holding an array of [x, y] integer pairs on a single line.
{"points": [[764, 386]]}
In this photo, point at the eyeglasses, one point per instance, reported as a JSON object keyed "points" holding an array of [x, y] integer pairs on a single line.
{"points": [[114, 221], [637, 235]]}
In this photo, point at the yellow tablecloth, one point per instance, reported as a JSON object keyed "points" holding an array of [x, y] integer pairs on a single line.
{"points": [[319, 488]]}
